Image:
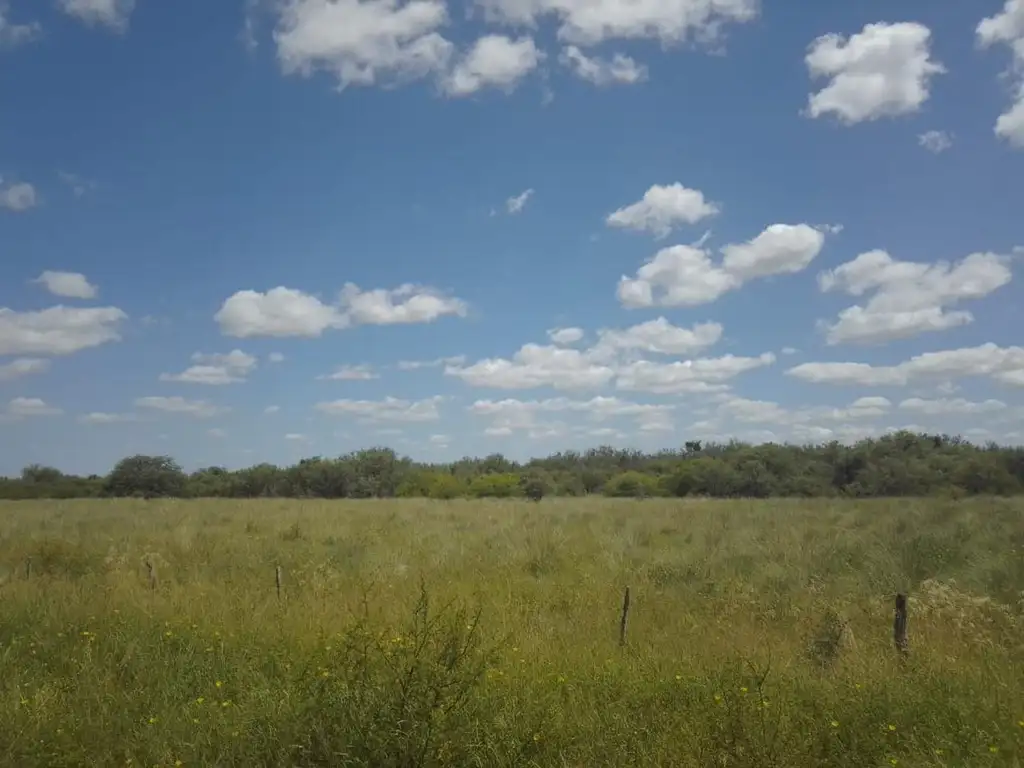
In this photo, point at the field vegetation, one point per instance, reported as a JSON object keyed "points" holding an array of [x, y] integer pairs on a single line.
{"points": [[897, 464], [415, 632]]}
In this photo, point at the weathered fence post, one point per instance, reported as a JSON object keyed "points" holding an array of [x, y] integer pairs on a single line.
{"points": [[152, 574], [28, 567], [277, 580], [625, 615], [899, 625]]}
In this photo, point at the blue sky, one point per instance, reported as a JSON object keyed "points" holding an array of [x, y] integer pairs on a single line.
{"points": [[227, 229]]}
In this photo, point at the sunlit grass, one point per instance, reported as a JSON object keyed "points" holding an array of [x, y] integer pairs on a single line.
{"points": [[732, 606]]}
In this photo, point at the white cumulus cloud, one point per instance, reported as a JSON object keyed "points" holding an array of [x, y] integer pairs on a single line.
{"points": [[363, 42], [589, 22], [662, 209], [71, 285], [58, 330], [1007, 28], [282, 312], [885, 70], [1002, 364], [685, 275], [109, 13], [909, 298], [494, 61]]}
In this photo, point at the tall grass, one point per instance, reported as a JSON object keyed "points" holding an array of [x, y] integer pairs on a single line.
{"points": [[417, 633]]}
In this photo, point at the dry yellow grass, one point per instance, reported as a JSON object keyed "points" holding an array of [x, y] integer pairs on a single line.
{"points": [[759, 635]]}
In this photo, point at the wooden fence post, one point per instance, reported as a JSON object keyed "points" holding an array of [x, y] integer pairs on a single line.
{"points": [[28, 567], [152, 574], [277, 580], [899, 625], [625, 615]]}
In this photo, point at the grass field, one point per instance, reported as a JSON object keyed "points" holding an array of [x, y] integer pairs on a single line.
{"points": [[415, 633]]}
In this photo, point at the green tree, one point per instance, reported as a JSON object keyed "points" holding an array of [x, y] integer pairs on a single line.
{"points": [[39, 475], [147, 476]]}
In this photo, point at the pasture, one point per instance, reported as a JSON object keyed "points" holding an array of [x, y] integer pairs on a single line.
{"points": [[486, 633]]}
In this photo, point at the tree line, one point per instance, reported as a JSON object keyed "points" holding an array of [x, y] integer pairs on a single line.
{"points": [[899, 464]]}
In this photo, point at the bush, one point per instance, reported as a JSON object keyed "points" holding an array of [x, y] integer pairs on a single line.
{"points": [[632, 484], [499, 486], [535, 487]]}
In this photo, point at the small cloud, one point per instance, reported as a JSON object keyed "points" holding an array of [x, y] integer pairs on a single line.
{"points": [[12, 35], [30, 406], [275, 357], [564, 336], [516, 204], [830, 229], [295, 437], [216, 432], [215, 369], [415, 365], [23, 366], [362, 372], [390, 409], [99, 417], [935, 141], [618, 69], [200, 409], [18, 197], [789, 350], [272, 409], [71, 285], [79, 185], [113, 14]]}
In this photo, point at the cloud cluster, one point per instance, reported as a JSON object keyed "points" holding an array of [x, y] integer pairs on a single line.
{"points": [[390, 409], [534, 417], [908, 298], [215, 369], [1007, 28], [1003, 365], [282, 312], [616, 359], [200, 409], [58, 330], [687, 275], [381, 42]]}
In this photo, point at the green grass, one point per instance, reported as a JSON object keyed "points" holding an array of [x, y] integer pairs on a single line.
{"points": [[465, 633]]}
